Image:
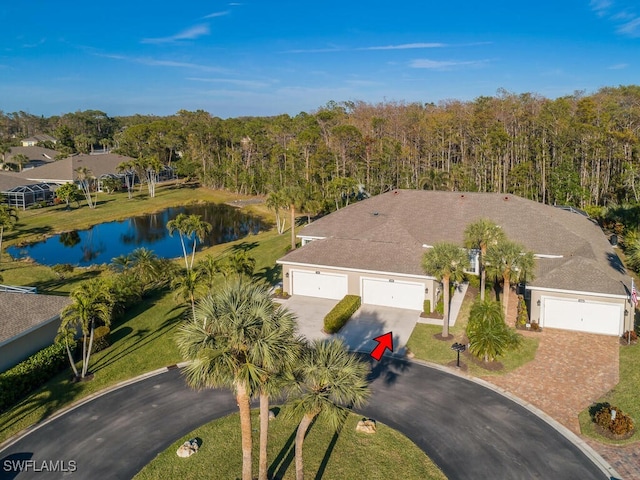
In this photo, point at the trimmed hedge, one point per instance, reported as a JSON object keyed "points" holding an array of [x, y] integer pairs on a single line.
{"points": [[341, 313], [426, 307], [19, 381]]}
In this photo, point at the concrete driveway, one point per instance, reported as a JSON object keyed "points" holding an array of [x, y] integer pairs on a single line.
{"points": [[367, 323]]}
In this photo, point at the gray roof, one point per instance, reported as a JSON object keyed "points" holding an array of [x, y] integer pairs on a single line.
{"points": [[36, 155], [64, 170], [9, 180], [23, 311], [387, 233]]}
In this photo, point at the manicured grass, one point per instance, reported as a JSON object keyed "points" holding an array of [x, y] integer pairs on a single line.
{"points": [[425, 346], [348, 455], [624, 396]]}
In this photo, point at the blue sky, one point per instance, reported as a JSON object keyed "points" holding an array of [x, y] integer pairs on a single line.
{"points": [[262, 57]]}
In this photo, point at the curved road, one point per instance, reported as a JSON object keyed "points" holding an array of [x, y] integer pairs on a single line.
{"points": [[468, 430]]}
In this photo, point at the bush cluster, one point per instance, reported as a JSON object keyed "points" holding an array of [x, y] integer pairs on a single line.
{"points": [[522, 316], [426, 306], [338, 316], [100, 338], [30, 374], [622, 424]]}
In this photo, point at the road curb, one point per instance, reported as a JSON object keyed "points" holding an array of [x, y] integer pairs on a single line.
{"points": [[64, 410]]}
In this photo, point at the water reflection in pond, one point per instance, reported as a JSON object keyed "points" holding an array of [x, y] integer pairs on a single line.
{"points": [[105, 241]]}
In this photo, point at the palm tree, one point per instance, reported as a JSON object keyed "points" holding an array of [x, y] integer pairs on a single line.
{"points": [[508, 261], [276, 201], [480, 234], [209, 269], [331, 381], [489, 336], [447, 262], [91, 304], [84, 177], [129, 171], [187, 285], [191, 227], [235, 340], [8, 218], [277, 365], [21, 159]]}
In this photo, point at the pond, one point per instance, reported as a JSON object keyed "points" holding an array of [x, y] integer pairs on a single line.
{"points": [[101, 243]]}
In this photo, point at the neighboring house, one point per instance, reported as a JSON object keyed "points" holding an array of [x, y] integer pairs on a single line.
{"points": [[33, 141], [28, 323], [374, 249], [37, 156], [21, 193]]}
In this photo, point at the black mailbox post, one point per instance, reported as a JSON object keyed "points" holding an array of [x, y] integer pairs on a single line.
{"points": [[458, 347]]}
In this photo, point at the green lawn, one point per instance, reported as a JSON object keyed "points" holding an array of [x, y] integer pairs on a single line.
{"points": [[349, 455], [624, 395], [425, 346]]}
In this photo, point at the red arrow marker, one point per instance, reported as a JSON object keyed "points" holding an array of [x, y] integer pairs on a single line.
{"points": [[384, 341]]}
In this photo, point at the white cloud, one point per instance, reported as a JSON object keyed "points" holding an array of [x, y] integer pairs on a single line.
{"points": [[188, 34], [217, 14], [405, 46], [630, 28], [618, 66], [153, 62], [600, 6], [443, 64]]}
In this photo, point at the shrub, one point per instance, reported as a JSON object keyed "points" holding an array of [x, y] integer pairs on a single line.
{"points": [[341, 313], [101, 338], [622, 424], [19, 381], [426, 306], [473, 280], [440, 306], [61, 269], [522, 317], [634, 336]]}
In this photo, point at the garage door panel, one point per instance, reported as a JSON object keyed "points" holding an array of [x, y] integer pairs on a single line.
{"points": [[395, 293], [593, 317], [321, 285]]}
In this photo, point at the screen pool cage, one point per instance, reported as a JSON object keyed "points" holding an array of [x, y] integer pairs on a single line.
{"points": [[24, 196]]}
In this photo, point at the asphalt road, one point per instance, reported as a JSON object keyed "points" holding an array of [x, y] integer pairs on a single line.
{"points": [[471, 432]]}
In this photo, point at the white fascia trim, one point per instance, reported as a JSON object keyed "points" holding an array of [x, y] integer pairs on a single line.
{"points": [[356, 270], [544, 255], [310, 237], [576, 292]]}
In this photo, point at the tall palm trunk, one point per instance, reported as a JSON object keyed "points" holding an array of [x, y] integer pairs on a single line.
{"points": [[85, 360], [301, 432], [506, 288], [445, 302], [1, 234], [264, 435], [483, 273], [242, 397], [73, 364]]}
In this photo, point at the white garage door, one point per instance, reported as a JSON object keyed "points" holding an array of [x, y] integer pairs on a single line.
{"points": [[322, 285], [590, 317], [394, 293]]}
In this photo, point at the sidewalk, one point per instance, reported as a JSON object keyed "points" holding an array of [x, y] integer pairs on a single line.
{"points": [[454, 307]]}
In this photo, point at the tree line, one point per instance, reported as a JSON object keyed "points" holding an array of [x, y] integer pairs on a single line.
{"points": [[575, 150]]}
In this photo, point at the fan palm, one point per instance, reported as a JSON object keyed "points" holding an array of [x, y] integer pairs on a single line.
{"points": [[236, 340], [447, 262], [331, 381], [481, 234], [509, 262]]}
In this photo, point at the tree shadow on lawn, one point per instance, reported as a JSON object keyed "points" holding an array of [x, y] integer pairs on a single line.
{"points": [[55, 394], [51, 286], [283, 460], [20, 231], [138, 337]]}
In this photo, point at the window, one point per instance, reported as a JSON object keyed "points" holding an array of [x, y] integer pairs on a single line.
{"points": [[474, 261]]}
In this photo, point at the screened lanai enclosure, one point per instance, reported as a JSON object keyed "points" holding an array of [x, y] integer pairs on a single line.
{"points": [[24, 196]]}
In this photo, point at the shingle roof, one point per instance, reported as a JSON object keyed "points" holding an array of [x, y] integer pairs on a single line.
{"points": [[35, 154], [21, 311], [400, 222], [64, 170]]}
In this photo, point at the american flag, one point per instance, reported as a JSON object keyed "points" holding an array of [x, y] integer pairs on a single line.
{"points": [[634, 294]]}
